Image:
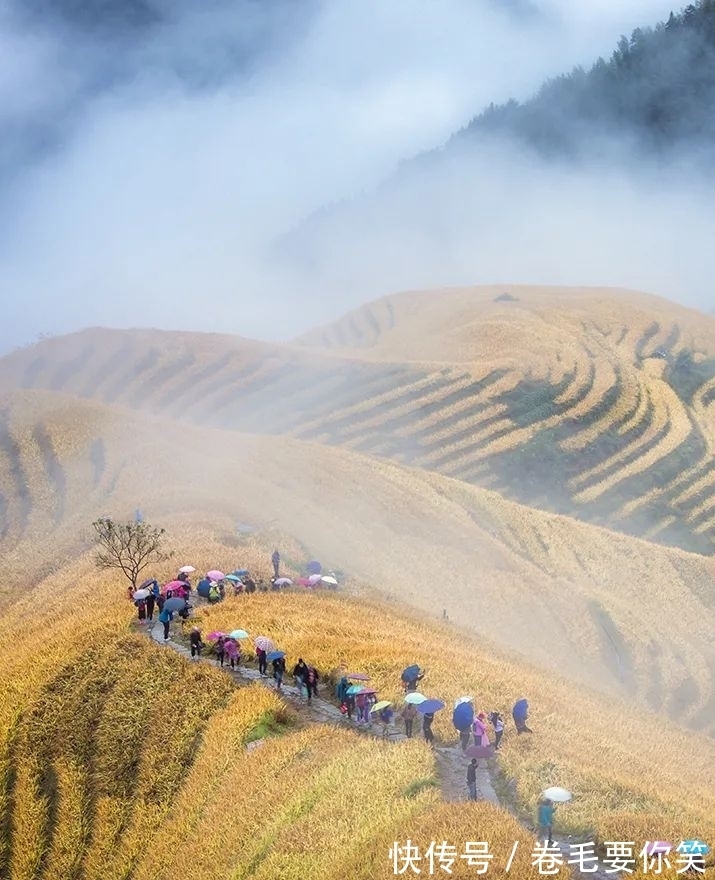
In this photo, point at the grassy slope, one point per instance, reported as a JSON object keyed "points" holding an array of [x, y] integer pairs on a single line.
{"points": [[620, 615]]}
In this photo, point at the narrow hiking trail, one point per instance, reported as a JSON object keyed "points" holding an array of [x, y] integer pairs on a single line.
{"points": [[451, 763]]}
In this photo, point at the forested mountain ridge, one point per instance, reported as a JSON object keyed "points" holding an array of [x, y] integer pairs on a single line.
{"points": [[657, 88]]}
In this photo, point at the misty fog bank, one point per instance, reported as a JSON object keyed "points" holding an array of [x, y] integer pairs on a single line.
{"points": [[155, 173]]}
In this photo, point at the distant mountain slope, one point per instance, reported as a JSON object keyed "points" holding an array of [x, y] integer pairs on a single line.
{"points": [[598, 404], [619, 614]]}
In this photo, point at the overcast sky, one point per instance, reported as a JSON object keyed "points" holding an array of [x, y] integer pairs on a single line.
{"points": [[146, 177]]}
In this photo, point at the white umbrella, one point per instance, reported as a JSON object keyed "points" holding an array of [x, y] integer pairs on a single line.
{"points": [[329, 580], [463, 700], [558, 795], [281, 582], [141, 594], [313, 579], [187, 569], [415, 698]]}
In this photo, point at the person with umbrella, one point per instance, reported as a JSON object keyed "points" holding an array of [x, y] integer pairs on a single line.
{"points": [[427, 727], [462, 718], [203, 587], [195, 643], [150, 602], [250, 584], [141, 608], [520, 713], [409, 713], [341, 689], [165, 617], [276, 562], [545, 819], [220, 650], [472, 779], [279, 668], [214, 594], [261, 657], [410, 676], [232, 651], [479, 728]]}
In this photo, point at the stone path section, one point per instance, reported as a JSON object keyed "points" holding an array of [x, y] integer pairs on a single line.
{"points": [[451, 763]]}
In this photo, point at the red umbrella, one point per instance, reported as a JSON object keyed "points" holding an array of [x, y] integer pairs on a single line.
{"points": [[302, 582]]}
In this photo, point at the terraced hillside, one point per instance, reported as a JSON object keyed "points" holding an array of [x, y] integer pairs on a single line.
{"points": [[621, 615], [593, 403]]}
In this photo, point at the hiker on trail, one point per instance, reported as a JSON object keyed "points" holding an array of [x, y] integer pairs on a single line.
{"points": [[150, 602], [221, 591], [196, 643], [427, 726], [363, 712], [203, 587], [279, 668], [232, 651], [520, 713], [350, 706], [341, 690], [160, 602], [479, 727], [250, 584], [409, 713], [220, 650], [141, 610], [262, 662], [472, 779], [312, 681], [386, 715], [300, 674], [214, 594], [184, 578], [545, 819], [497, 723], [276, 562], [166, 617]]}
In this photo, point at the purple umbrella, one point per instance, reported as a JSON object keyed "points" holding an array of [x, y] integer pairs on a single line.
{"points": [[314, 567]]}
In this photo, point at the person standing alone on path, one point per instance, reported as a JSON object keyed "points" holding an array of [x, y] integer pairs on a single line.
{"points": [[276, 561], [472, 779], [166, 617]]}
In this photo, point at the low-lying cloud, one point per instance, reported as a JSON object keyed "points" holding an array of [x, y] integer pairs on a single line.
{"points": [[156, 180]]}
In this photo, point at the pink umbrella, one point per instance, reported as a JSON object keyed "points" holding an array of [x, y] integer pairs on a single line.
{"points": [[213, 635], [264, 643], [174, 586], [187, 569], [215, 575], [358, 676]]}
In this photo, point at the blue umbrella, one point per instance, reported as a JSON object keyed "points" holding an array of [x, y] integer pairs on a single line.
{"points": [[411, 673], [233, 577], [275, 655], [463, 716], [314, 567], [430, 706], [521, 707], [240, 571], [174, 604]]}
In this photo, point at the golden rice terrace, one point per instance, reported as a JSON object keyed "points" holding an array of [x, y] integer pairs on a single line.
{"points": [[593, 403]]}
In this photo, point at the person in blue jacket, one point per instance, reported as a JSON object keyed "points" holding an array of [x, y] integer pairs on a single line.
{"points": [[166, 617]]}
